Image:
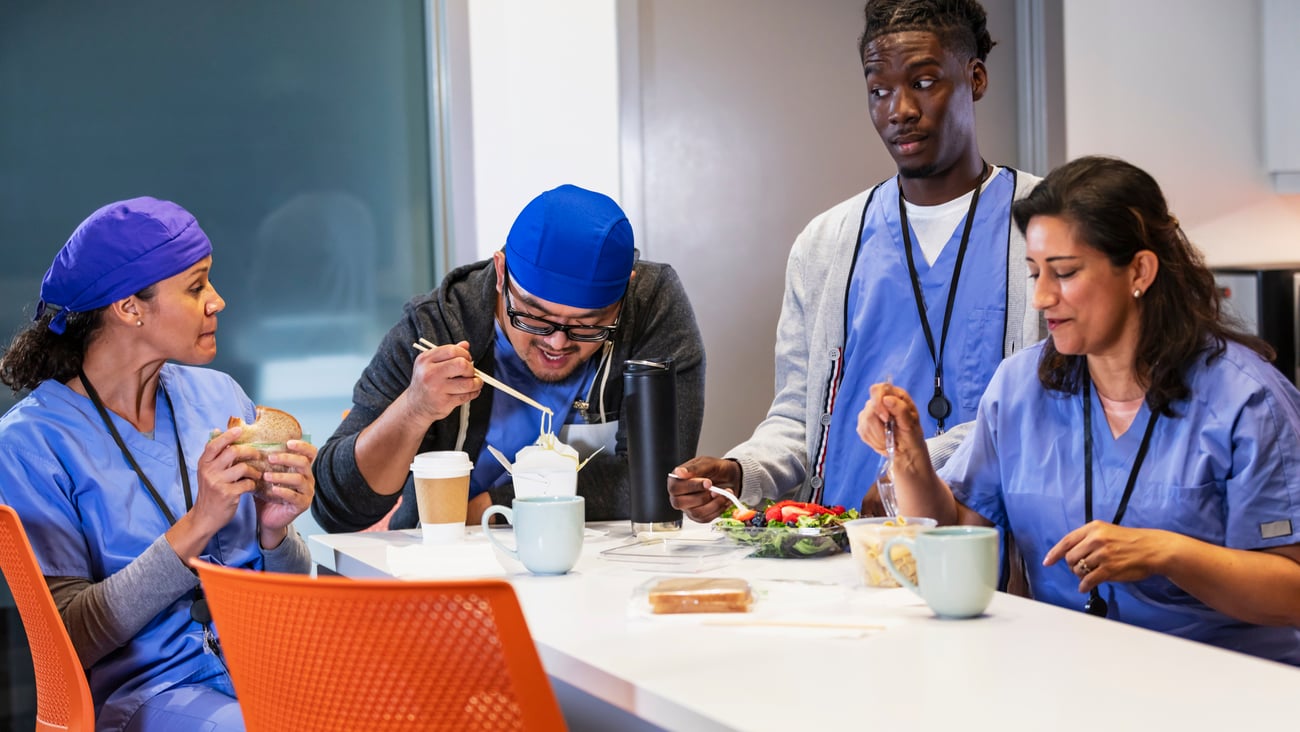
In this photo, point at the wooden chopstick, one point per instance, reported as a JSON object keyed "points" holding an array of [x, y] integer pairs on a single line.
{"points": [[793, 624], [423, 345]]}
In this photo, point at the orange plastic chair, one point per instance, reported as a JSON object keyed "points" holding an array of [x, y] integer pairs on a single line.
{"points": [[63, 700], [332, 653]]}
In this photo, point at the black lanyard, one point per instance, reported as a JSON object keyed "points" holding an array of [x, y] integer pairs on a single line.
{"points": [[199, 609], [1096, 605], [939, 406]]}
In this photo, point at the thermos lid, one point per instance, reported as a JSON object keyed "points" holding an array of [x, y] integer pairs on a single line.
{"points": [[641, 365]]}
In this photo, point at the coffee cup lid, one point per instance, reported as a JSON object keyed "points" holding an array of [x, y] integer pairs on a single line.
{"points": [[447, 462]]}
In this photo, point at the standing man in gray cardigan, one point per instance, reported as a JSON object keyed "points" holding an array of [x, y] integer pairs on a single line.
{"points": [[872, 285], [554, 314]]}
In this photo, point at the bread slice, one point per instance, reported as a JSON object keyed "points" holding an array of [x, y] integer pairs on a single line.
{"points": [[270, 426], [700, 595]]}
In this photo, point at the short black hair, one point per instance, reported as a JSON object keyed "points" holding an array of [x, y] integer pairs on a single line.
{"points": [[961, 25]]}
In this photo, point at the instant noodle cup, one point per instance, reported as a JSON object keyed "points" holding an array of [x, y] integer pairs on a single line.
{"points": [[867, 537]]}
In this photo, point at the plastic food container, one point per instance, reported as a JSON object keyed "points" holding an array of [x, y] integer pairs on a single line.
{"points": [[678, 555], [679, 595], [867, 537], [786, 542]]}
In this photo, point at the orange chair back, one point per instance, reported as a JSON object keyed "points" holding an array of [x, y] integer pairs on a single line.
{"points": [[332, 653], [63, 700]]}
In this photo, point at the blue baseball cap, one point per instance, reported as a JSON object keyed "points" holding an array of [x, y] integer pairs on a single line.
{"points": [[572, 247], [118, 251]]}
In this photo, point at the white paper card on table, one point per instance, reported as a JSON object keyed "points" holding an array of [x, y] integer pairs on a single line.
{"points": [[444, 561]]}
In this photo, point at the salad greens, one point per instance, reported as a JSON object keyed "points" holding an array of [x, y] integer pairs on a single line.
{"points": [[789, 529]]}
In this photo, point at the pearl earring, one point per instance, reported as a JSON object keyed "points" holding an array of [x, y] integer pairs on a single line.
{"points": [[1137, 294], [139, 323]]}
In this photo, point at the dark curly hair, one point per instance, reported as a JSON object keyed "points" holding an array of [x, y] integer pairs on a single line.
{"points": [[37, 353], [1118, 209], [961, 25]]}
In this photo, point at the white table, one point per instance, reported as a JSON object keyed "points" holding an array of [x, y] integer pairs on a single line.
{"points": [[1023, 666]]}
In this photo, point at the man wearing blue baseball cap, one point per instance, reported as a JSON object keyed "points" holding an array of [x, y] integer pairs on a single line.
{"points": [[554, 314]]}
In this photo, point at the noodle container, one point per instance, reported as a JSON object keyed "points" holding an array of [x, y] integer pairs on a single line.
{"points": [[867, 537]]}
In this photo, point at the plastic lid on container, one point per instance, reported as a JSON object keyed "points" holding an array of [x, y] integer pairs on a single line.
{"points": [[446, 463], [678, 555]]}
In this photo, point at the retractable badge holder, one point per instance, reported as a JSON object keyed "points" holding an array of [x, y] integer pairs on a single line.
{"points": [[939, 406]]}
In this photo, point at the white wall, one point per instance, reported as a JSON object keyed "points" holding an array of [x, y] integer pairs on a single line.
{"points": [[1173, 86], [545, 95]]}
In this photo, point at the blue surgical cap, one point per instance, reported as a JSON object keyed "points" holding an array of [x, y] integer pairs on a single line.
{"points": [[118, 251], [572, 247]]}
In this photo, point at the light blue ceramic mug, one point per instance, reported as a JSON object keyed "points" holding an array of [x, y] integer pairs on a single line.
{"points": [[956, 568], [548, 531]]}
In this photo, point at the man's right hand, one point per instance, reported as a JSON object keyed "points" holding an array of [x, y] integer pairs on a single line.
{"points": [[688, 486], [442, 379]]}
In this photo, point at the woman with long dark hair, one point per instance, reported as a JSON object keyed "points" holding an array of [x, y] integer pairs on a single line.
{"points": [[1146, 456]]}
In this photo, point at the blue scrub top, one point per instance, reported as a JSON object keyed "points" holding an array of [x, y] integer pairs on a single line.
{"points": [[884, 337], [515, 425], [87, 515], [1225, 470]]}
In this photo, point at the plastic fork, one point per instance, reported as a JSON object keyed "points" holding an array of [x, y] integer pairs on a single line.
{"points": [[885, 479], [727, 495]]}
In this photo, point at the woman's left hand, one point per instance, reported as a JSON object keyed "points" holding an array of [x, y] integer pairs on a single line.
{"points": [[1100, 552], [887, 401], [289, 490]]}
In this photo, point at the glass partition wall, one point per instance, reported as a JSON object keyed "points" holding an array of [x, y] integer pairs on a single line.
{"points": [[297, 132]]}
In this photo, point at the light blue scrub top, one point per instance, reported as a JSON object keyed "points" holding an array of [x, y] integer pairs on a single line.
{"points": [[87, 515], [1225, 471], [514, 425], [884, 336]]}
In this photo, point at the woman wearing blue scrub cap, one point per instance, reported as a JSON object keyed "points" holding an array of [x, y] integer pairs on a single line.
{"points": [[109, 464]]}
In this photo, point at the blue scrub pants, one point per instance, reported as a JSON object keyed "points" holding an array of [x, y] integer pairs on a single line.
{"points": [[196, 708]]}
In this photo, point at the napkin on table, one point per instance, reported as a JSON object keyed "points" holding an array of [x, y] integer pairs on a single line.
{"points": [[444, 561]]}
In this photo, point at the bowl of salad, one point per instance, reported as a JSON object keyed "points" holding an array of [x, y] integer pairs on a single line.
{"points": [[788, 529]]}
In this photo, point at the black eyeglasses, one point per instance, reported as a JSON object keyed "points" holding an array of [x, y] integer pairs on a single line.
{"points": [[529, 323]]}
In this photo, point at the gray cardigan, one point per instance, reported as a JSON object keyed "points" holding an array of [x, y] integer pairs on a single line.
{"points": [[810, 337]]}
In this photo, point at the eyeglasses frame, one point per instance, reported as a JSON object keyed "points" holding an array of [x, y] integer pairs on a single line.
{"points": [[513, 315]]}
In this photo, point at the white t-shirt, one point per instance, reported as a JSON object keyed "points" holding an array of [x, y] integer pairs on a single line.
{"points": [[934, 225]]}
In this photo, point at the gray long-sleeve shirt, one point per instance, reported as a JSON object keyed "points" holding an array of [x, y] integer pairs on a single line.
{"points": [[102, 616]]}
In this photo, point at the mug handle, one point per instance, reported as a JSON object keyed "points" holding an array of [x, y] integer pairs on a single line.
{"points": [[510, 519], [888, 558]]}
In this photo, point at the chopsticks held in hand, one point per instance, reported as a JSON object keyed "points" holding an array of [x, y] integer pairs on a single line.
{"points": [[424, 345]]}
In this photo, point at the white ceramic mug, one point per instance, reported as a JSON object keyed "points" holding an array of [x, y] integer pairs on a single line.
{"points": [[548, 531], [956, 568]]}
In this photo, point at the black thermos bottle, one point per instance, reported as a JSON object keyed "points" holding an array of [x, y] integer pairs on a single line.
{"points": [[650, 401]]}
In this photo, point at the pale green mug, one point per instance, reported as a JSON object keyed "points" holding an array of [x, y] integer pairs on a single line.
{"points": [[548, 531], [956, 568]]}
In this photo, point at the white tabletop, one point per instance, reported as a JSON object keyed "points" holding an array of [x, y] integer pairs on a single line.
{"points": [[1025, 665]]}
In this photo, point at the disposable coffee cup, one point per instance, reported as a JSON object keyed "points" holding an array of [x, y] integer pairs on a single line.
{"points": [[442, 494]]}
